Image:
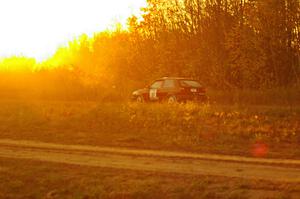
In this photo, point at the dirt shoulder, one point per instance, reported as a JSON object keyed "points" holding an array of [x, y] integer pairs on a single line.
{"points": [[21, 179], [154, 161]]}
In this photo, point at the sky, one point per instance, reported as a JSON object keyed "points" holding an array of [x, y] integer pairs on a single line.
{"points": [[36, 28]]}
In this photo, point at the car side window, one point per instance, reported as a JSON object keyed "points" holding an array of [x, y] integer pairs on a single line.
{"points": [[169, 83], [190, 83], [156, 85]]}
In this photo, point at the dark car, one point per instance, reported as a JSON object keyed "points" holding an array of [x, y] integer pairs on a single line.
{"points": [[171, 89]]}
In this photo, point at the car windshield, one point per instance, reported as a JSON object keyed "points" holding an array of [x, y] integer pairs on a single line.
{"points": [[190, 83], [156, 85]]}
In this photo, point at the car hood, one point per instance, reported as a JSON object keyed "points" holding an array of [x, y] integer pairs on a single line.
{"points": [[139, 91]]}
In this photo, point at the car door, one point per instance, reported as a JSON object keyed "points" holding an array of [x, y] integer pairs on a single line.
{"points": [[155, 90], [168, 88]]}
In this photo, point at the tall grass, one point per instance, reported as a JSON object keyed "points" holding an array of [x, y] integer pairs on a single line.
{"points": [[274, 96], [233, 129]]}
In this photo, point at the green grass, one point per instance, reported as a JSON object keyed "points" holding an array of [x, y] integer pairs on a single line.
{"points": [[34, 179], [269, 131]]}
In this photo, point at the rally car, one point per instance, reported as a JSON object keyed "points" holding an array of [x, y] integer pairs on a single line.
{"points": [[171, 89]]}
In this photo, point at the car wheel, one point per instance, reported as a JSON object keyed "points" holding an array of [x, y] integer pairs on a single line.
{"points": [[204, 100], [140, 99], [172, 99]]}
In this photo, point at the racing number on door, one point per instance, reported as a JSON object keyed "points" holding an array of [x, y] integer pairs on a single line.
{"points": [[153, 94]]}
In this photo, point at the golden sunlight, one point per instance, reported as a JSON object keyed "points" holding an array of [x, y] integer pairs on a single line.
{"points": [[36, 28]]}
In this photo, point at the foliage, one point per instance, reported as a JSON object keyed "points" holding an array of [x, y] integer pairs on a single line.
{"points": [[17, 64], [226, 44], [239, 130]]}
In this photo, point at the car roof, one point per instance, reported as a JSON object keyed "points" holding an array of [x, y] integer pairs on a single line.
{"points": [[175, 78]]}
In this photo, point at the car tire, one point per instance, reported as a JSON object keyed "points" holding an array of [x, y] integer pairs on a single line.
{"points": [[140, 99], [172, 99], [204, 100]]}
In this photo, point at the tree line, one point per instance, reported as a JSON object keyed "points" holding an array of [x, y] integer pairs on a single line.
{"points": [[226, 44]]}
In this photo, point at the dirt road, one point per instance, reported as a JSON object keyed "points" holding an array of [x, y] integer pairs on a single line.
{"points": [[156, 161]]}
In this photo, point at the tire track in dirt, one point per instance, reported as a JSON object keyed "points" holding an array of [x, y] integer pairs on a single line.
{"points": [[154, 161]]}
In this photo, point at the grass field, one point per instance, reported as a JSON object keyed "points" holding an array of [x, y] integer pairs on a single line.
{"points": [[263, 131], [33, 179]]}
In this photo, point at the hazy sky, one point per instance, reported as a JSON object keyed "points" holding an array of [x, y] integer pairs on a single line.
{"points": [[35, 28]]}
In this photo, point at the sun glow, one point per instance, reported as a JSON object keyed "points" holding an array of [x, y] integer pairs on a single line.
{"points": [[36, 28]]}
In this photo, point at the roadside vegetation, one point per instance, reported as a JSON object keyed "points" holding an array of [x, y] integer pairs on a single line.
{"points": [[250, 130]]}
